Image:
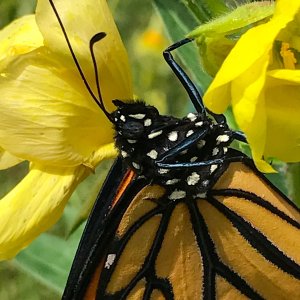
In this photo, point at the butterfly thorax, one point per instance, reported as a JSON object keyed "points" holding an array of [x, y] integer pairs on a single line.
{"points": [[145, 138]]}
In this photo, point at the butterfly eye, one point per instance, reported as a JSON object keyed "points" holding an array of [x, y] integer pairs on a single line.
{"points": [[133, 129]]}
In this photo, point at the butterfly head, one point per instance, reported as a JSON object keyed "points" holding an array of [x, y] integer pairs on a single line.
{"points": [[134, 120]]}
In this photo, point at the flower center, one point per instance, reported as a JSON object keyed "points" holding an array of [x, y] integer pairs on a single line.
{"points": [[289, 60]]}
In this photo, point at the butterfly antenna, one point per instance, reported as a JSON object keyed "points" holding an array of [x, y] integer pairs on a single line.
{"points": [[99, 102], [96, 38]]}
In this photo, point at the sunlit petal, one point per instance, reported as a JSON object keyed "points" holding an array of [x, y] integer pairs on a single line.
{"points": [[110, 53], [45, 118], [8, 160], [19, 37], [35, 205]]}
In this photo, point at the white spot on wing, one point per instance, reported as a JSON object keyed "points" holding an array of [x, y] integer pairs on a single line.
{"points": [[152, 154], [190, 132], [122, 118], [191, 116], [147, 122], [225, 149], [193, 179], [193, 159], [177, 194], [154, 134], [109, 260], [138, 116], [173, 136]]}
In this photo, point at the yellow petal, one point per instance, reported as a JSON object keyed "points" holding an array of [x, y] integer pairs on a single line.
{"points": [[248, 104], [286, 10], [34, 205], [19, 37], [45, 116], [82, 20], [290, 77], [104, 152], [251, 47], [283, 111], [8, 160]]}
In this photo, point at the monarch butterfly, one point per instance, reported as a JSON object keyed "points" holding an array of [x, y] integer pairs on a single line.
{"points": [[181, 215]]}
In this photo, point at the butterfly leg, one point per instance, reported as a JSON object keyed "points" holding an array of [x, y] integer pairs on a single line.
{"points": [[187, 82], [194, 138], [216, 161], [183, 77], [239, 136]]}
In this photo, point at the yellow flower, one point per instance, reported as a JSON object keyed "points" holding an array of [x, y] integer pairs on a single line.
{"points": [[47, 115], [260, 77]]}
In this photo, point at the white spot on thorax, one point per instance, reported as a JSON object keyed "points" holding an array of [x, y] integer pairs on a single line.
{"points": [[122, 118], [124, 154], [138, 116], [184, 152], [136, 165], [152, 154], [154, 134], [201, 195], [191, 116], [201, 144], [215, 151], [205, 182], [199, 124], [163, 171], [147, 122], [172, 181], [222, 138], [193, 179], [213, 168], [109, 260], [177, 195], [190, 132], [131, 141], [173, 136]]}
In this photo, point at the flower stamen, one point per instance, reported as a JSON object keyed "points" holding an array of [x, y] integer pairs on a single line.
{"points": [[289, 60]]}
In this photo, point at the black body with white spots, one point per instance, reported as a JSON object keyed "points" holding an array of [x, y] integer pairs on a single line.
{"points": [[146, 139]]}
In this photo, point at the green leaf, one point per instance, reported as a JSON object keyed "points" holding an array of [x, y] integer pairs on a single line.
{"points": [[292, 181], [49, 259], [179, 20], [206, 10]]}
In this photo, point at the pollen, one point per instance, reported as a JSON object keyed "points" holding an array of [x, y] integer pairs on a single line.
{"points": [[288, 57]]}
